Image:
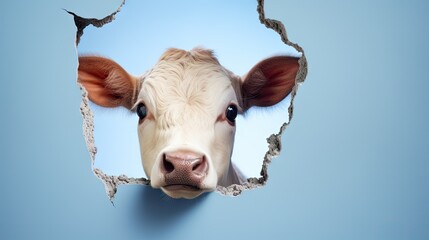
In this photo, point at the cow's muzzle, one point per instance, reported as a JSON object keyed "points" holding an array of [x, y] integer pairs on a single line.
{"points": [[184, 170]]}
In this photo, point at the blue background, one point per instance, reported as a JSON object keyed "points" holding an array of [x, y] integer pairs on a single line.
{"points": [[355, 158]]}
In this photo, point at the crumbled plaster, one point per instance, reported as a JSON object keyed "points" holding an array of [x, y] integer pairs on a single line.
{"points": [[81, 23], [111, 183]]}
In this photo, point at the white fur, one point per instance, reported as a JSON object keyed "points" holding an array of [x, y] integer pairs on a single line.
{"points": [[186, 100]]}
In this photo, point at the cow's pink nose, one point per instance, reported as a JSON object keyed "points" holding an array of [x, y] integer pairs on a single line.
{"points": [[184, 168]]}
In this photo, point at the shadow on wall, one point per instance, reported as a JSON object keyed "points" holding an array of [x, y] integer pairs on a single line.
{"points": [[160, 212]]}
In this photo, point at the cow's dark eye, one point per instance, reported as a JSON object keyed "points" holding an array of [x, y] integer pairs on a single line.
{"points": [[231, 113], [141, 111]]}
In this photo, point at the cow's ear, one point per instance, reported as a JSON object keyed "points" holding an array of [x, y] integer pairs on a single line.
{"points": [[107, 83], [269, 81]]}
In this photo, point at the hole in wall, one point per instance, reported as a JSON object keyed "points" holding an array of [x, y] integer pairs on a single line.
{"points": [[140, 33]]}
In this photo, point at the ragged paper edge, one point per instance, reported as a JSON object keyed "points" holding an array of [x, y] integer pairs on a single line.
{"points": [[111, 183]]}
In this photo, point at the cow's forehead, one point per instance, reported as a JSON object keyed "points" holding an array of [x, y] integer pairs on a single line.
{"points": [[186, 86], [193, 83]]}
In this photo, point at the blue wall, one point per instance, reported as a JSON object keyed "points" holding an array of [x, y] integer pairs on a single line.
{"points": [[355, 160]]}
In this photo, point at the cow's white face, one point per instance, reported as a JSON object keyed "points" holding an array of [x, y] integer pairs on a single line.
{"points": [[187, 104]]}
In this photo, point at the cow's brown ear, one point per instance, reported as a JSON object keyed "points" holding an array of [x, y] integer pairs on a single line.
{"points": [[107, 83], [269, 81]]}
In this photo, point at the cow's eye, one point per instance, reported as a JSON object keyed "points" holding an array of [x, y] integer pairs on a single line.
{"points": [[141, 111], [231, 113]]}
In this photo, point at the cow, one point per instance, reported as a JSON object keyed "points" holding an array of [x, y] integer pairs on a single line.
{"points": [[187, 105]]}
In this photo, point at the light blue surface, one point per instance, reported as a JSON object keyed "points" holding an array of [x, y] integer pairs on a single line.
{"points": [[355, 160]]}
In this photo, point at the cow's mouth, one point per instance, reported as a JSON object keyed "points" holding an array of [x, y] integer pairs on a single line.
{"points": [[188, 191], [178, 187]]}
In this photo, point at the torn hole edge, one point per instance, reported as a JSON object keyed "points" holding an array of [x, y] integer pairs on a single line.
{"points": [[111, 183]]}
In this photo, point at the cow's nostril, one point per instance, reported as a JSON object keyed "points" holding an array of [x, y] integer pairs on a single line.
{"points": [[200, 166], [168, 166]]}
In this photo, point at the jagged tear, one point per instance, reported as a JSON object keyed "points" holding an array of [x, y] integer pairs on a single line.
{"points": [[111, 182]]}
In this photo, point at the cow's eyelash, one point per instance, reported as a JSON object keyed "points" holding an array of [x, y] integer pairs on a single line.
{"points": [[134, 107]]}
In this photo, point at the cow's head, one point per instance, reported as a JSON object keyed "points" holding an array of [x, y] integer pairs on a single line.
{"points": [[187, 105]]}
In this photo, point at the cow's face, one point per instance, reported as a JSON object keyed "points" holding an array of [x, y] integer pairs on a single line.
{"points": [[187, 109], [187, 105]]}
